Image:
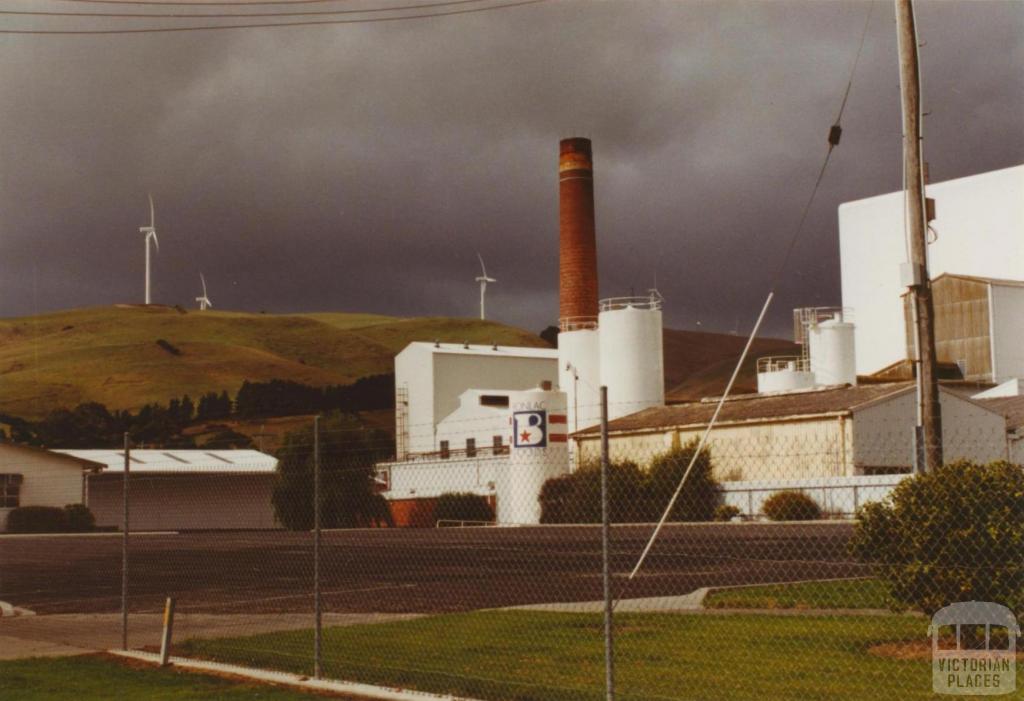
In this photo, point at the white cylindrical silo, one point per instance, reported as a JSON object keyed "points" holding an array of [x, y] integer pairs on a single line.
{"points": [[782, 375], [632, 362], [579, 376], [537, 452], [832, 351]]}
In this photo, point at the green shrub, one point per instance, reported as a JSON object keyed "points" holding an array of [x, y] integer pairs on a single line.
{"points": [[463, 506], [79, 519], [700, 495], [37, 519], [727, 512], [791, 506], [576, 497], [953, 534]]}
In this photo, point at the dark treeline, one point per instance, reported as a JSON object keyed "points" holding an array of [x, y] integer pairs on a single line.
{"points": [[284, 397], [93, 425]]}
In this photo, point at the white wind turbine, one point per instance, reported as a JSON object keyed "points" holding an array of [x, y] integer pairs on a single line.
{"points": [[483, 280], [150, 232], [204, 301]]}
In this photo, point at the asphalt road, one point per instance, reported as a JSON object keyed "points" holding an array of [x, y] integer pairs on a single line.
{"points": [[407, 571]]}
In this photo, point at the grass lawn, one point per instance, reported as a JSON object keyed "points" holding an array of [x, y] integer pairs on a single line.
{"points": [[839, 594], [97, 678], [543, 656]]}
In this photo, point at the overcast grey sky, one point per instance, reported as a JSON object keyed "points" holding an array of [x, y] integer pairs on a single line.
{"points": [[360, 167]]}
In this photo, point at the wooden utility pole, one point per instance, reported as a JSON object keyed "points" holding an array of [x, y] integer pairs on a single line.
{"points": [[930, 412]]}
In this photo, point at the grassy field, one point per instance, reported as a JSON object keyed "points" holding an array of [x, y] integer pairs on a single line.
{"points": [[97, 678], [838, 594], [535, 656], [110, 354]]}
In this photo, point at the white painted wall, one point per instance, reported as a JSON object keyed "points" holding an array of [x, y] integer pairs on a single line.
{"points": [[426, 478], [980, 222], [473, 420], [48, 480], [835, 495], [883, 432], [1008, 331], [185, 501], [436, 377]]}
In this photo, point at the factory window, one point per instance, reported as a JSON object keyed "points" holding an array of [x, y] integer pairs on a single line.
{"points": [[498, 446], [471, 447], [10, 491], [445, 451], [498, 400]]}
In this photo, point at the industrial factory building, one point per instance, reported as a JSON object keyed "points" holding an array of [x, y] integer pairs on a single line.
{"points": [[834, 431], [977, 231]]}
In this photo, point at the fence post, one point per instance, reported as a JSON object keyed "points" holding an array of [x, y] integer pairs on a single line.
{"points": [[609, 632], [317, 612], [165, 639], [124, 542]]}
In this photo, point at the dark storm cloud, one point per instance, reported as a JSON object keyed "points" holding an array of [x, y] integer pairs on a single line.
{"points": [[361, 167]]}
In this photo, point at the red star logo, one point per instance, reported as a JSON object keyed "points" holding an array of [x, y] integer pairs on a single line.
{"points": [[524, 436]]}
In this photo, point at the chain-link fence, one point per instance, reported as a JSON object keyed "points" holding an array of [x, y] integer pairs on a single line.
{"points": [[799, 559]]}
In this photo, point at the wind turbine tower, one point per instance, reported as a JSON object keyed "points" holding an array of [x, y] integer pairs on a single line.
{"points": [[150, 232], [204, 301], [483, 280]]}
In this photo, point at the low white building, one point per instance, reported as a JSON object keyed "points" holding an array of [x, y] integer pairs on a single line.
{"points": [[38, 477], [182, 489], [431, 380], [825, 432]]}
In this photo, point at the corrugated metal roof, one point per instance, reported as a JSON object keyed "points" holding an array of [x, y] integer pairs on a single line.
{"points": [[1010, 407], [508, 351], [180, 461], [754, 407]]}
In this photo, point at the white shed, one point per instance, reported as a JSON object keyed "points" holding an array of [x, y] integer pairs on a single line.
{"points": [[39, 477], [182, 489]]}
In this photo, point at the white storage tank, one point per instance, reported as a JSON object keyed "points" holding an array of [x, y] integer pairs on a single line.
{"points": [[832, 351], [579, 375], [631, 357], [538, 451], [783, 374]]}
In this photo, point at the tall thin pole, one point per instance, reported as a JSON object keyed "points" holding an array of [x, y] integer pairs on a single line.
{"points": [[606, 575], [483, 291], [147, 268], [921, 289], [317, 611], [124, 542]]}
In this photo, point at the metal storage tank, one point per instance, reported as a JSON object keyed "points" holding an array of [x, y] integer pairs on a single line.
{"points": [[579, 375], [538, 451], [632, 363], [832, 351], [783, 374]]}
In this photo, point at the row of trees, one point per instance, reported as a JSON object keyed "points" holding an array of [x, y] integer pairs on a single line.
{"points": [[285, 397]]}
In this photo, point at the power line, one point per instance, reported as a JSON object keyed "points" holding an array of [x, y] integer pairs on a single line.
{"points": [[267, 25], [229, 15]]}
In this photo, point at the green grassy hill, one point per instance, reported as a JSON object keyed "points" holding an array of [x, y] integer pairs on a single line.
{"points": [[111, 355]]}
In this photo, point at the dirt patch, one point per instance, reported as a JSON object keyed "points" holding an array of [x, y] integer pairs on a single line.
{"points": [[911, 650]]}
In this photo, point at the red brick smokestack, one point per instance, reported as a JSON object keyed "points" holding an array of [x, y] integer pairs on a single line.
{"points": [[577, 289]]}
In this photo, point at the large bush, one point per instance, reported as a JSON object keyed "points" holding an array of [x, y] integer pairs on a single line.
{"points": [[73, 518], [953, 534], [791, 506], [635, 495], [463, 506]]}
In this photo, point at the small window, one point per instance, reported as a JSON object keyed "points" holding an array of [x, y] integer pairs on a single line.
{"points": [[172, 456], [218, 457], [495, 400], [10, 491], [498, 445], [445, 450], [471, 447]]}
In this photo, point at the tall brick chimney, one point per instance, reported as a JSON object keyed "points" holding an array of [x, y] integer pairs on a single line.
{"points": [[577, 288]]}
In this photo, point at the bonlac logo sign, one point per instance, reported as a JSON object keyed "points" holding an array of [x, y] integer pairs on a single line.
{"points": [[974, 649], [530, 429]]}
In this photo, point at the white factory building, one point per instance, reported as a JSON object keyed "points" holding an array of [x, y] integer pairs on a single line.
{"points": [[978, 231], [169, 490]]}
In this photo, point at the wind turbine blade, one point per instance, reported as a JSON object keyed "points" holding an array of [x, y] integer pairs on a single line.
{"points": [[152, 215], [203, 280], [481, 258], [156, 241]]}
